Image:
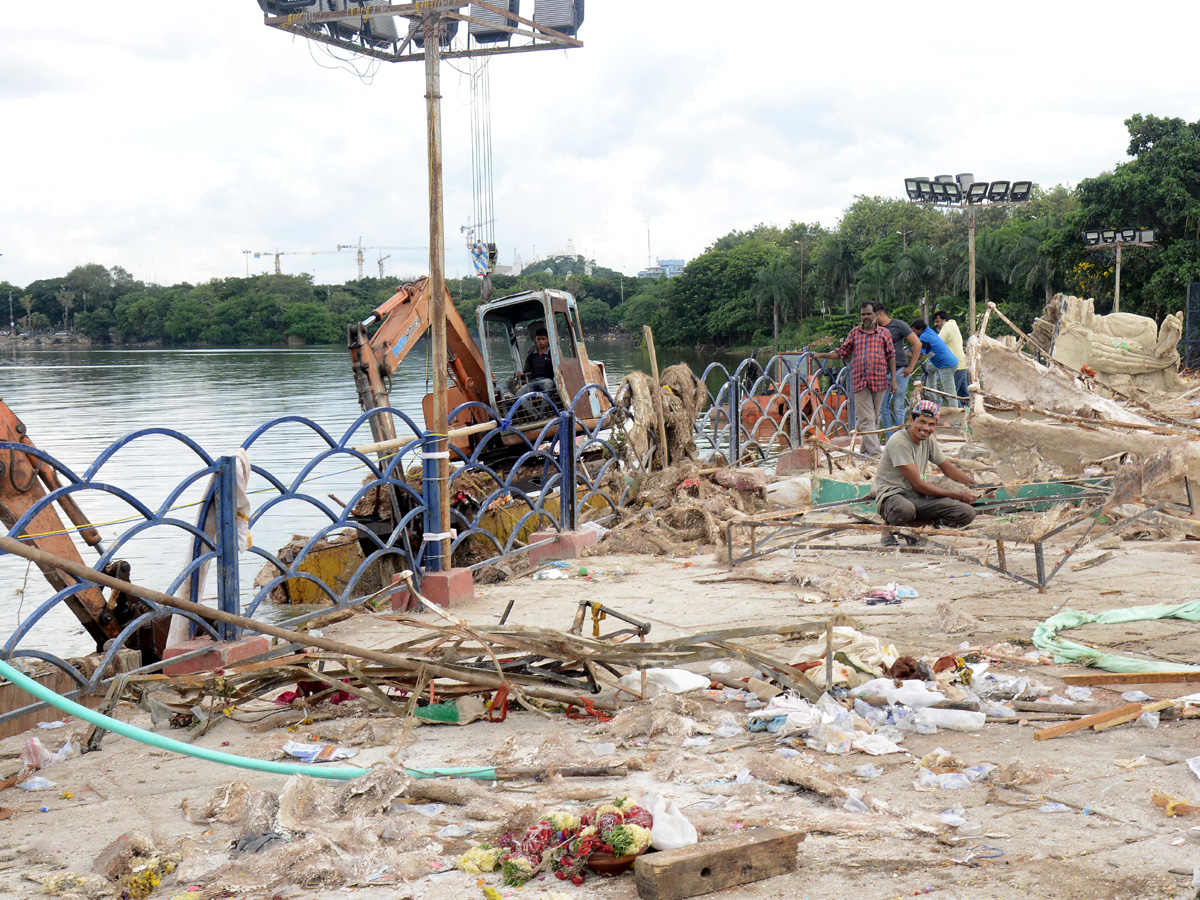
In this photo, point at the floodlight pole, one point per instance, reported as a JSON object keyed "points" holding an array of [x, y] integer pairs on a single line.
{"points": [[1117, 286], [437, 286], [971, 266]]}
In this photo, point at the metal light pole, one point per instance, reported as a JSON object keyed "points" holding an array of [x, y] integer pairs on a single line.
{"points": [[971, 266], [1117, 239], [437, 278]]}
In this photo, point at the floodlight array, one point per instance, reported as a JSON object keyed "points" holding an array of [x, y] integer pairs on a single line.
{"points": [[1095, 237], [954, 190]]}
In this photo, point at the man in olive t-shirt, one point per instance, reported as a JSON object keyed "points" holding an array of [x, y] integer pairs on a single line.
{"points": [[903, 496]]}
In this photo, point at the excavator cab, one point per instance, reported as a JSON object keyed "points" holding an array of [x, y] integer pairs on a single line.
{"points": [[506, 330]]}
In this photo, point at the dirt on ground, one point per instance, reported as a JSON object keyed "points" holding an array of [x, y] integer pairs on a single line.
{"points": [[1069, 818]]}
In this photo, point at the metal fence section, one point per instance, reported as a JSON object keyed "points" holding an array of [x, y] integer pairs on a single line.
{"points": [[758, 411], [1189, 347]]}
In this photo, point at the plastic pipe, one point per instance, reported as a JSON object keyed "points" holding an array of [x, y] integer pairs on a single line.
{"points": [[339, 773]]}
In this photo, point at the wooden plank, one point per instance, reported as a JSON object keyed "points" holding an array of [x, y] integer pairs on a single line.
{"points": [[1158, 706], [716, 865], [1132, 678], [1088, 721]]}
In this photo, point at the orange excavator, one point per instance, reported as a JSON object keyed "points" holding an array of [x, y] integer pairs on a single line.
{"points": [[24, 481], [487, 372]]}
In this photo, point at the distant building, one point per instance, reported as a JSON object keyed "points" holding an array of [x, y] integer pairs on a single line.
{"points": [[666, 268]]}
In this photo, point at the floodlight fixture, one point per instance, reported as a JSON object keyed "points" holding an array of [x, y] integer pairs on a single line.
{"points": [[977, 192], [945, 178], [1020, 191], [1146, 236], [965, 180], [1129, 235], [998, 192], [953, 193], [1091, 237], [1108, 235], [925, 186], [939, 191], [913, 189]]}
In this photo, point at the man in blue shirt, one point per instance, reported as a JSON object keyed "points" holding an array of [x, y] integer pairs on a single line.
{"points": [[942, 360]]}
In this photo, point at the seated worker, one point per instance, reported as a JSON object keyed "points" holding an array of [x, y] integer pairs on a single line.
{"points": [[942, 362], [538, 373], [903, 496]]}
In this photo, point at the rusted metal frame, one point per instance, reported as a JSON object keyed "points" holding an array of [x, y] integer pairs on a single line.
{"points": [[779, 671], [339, 42], [406, 10], [769, 543]]}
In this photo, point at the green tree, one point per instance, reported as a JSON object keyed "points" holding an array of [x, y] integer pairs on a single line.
{"points": [[775, 283], [27, 304], [836, 261], [311, 323]]}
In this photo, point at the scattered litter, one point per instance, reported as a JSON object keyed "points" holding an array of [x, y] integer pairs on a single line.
{"points": [[1054, 808], [314, 753], [550, 575], [870, 770], [673, 681], [855, 805], [36, 783], [720, 667], [1078, 693], [428, 810], [945, 781], [1132, 763], [1146, 720], [55, 724], [606, 749], [1194, 765], [953, 817], [728, 729], [700, 740], [456, 830], [1136, 697]]}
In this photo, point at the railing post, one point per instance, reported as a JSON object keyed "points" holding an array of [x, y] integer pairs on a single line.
{"points": [[567, 513], [228, 587], [796, 432], [735, 420], [431, 557]]}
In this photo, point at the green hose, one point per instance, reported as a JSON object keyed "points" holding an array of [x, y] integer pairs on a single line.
{"points": [[340, 773]]}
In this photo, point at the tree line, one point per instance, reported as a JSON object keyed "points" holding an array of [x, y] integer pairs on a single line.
{"points": [[769, 285]]}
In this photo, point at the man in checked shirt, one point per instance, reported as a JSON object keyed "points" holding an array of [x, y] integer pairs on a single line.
{"points": [[872, 373]]}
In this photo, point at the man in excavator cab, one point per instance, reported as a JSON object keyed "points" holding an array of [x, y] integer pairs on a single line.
{"points": [[538, 374]]}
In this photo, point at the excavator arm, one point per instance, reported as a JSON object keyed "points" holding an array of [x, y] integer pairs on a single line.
{"points": [[402, 320], [24, 481]]}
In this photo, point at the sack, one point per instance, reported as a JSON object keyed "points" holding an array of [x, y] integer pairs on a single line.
{"points": [[671, 829]]}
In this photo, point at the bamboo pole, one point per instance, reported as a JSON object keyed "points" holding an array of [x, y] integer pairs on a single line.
{"points": [[664, 455], [15, 547]]}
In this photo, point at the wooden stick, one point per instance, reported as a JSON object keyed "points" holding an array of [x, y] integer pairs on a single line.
{"points": [[1129, 717], [1088, 721], [1133, 678], [15, 547], [658, 407]]}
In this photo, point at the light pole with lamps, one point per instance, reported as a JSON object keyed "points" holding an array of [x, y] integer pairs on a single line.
{"points": [[904, 237], [966, 193], [1116, 238]]}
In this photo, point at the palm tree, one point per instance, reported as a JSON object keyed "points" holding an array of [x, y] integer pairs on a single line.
{"points": [[27, 305], [66, 300], [991, 265], [837, 262], [776, 282], [874, 280], [1038, 269]]}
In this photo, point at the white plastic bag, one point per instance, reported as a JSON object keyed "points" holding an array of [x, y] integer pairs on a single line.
{"points": [[671, 829], [674, 681]]}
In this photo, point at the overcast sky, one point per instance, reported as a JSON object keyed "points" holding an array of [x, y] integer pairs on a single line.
{"points": [[168, 138]]}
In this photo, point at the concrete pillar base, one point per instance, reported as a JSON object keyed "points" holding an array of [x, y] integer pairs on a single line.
{"points": [[220, 655], [564, 544]]}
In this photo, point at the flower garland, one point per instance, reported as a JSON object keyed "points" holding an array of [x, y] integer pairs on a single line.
{"points": [[562, 843]]}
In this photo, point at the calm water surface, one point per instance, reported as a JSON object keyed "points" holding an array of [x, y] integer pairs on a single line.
{"points": [[77, 402]]}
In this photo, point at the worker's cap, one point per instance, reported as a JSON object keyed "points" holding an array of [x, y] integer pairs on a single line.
{"points": [[926, 408]]}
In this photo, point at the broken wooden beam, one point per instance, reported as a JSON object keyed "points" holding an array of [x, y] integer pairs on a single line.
{"points": [[1088, 721], [1158, 706], [1132, 678], [716, 865]]}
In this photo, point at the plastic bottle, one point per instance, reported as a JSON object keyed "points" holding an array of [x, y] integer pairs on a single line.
{"points": [[951, 719]]}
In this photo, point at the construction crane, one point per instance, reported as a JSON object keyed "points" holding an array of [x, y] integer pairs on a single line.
{"points": [[258, 254], [381, 259], [360, 248]]}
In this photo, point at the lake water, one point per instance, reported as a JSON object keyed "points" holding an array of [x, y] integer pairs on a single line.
{"points": [[76, 402]]}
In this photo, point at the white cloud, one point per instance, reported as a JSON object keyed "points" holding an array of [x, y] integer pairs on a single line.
{"points": [[169, 141]]}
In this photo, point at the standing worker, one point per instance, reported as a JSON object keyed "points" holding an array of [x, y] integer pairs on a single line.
{"points": [[872, 373], [903, 496], [941, 361], [892, 417], [947, 330]]}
